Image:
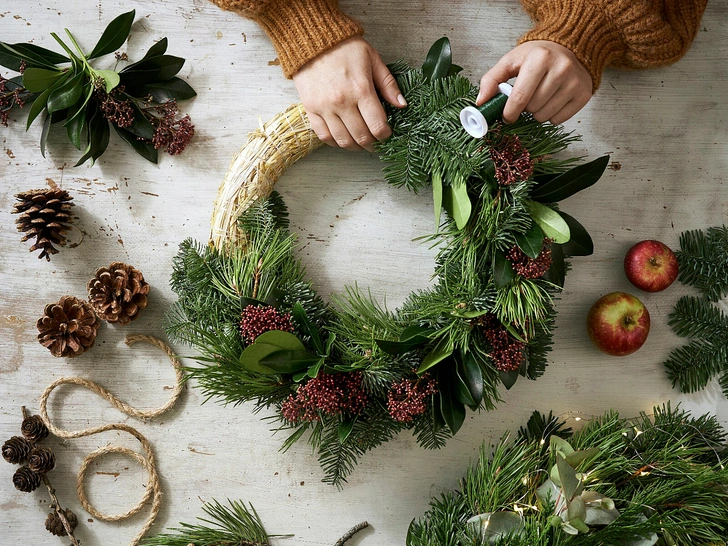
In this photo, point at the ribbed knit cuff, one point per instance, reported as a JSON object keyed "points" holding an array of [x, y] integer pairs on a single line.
{"points": [[581, 27], [302, 29]]}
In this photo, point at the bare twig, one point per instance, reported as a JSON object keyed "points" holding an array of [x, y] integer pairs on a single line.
{"points": [[351, 532], [257, 278]]}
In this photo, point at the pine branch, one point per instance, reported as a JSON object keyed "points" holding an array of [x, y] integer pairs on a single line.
{"points": [[703, 259]]}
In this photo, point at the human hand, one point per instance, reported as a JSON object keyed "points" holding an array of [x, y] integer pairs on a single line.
{"points": [[338, 89], [552, 84]]}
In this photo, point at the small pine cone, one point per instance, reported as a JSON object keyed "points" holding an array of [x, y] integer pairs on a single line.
{"points": [[118, 293], [16, 450], [26, 480], [34, 429], [54, 525], [41, 460], [45, 215], [67, 328]]}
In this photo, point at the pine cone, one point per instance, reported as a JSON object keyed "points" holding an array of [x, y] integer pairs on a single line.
{"points": [[16, 450], [54, 525], [26, 480], [45, 215], [118, 293], [67, 328], [34, 429], [41, 460]]}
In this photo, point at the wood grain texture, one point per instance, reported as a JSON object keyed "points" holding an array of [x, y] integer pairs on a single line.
{"points": [[665, 127]]}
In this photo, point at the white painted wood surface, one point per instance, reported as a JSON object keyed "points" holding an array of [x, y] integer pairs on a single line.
{"points": [[666, 128]]}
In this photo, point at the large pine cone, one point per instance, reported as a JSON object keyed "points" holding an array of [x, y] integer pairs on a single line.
{"points": [[41, 460], [54, 525], [68, 328], [16, 450], [34, 429], [26, 480], [118, 293], [45, 215]]}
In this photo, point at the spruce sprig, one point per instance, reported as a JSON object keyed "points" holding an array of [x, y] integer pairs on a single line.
{"points": [[703, 258]]}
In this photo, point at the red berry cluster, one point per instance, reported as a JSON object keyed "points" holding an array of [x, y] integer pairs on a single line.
{"points": [[257, 319], [330, 394], [10, 99], [118, 112], [511, 159], [170, 132], [406, 399], [527, 267], [507, 353]]}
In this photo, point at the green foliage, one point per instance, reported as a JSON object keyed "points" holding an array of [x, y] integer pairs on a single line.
{"points": [[665, 474], [88, 100], [703, 259], [236, 524]]}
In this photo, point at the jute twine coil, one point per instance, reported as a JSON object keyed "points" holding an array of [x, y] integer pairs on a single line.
{"points": [[147, 460], [255, 169]]}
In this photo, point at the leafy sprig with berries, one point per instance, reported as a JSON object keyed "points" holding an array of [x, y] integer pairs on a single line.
{"points": [[139, 101], [352, 374]]}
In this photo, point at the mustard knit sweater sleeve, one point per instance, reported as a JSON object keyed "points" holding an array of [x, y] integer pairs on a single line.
{"points": [[622, 33], [299, 29]]}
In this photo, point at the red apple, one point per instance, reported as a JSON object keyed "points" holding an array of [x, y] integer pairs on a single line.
{"points": [[618, 324], [651, 266]]}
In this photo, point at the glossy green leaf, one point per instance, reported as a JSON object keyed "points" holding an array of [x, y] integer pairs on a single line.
{"points": [[143, 148], [469, 314], [80, 107], [281, 339], [44, 133], [531, 242], [154, 69], [437, 197], [344, 429], [452, 411], [438, 61], [460, 387], [40, 79], [173, 88], [454, 69], [307, 327], [443, 349], [98, 131], [314, 370], [111, 79], [410, 338], [40, 103], [76, 125], [12, 55], [67, 94], [472, 375], [508, 378], [551, 223], [457, 203], [580, 243], [570, 182], [287, 362], [114, 35], [557, 272], [157, 49], [503, 272], [250, 357], [513, 332], [142, 127]]}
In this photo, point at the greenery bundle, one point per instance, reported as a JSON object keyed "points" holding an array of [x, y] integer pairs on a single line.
{"points": [[139, 101], [635, 482], [354, 373], [703, 259]]}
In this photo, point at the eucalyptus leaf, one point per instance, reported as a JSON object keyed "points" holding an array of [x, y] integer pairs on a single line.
{"points": [[288, 362], [570, 182], [143, 148], [567, 475], [40, 79], [443, 349], [561, 446], [457, 203], [114, 35], [550, 221], [495, 526], [580, 243], [503, 272], [576, 509], [579, 525], [577, 457], [531, 242], [281, 339], [437, 197], [67, 94], [438, 61]]}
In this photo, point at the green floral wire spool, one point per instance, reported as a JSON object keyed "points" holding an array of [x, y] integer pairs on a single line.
{"points": [[353, 374]]}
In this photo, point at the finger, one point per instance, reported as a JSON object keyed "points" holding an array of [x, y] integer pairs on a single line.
{"points": [[342, 135], [358, 129], [567, 112], [553, 106], [528, 80], [376, 120], [385, 83], [506, 68], [545, 92], [321, 129]]}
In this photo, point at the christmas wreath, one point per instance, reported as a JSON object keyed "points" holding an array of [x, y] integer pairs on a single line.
{"points": [[352, 373]]}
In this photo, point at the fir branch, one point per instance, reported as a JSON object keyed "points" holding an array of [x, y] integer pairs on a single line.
{"points": [[703, 259]]}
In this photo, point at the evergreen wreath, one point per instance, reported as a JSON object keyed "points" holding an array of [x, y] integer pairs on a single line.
{"points": [[353, 374]]}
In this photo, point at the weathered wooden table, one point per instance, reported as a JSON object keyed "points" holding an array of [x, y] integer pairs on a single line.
{"points": [[666, 131]]}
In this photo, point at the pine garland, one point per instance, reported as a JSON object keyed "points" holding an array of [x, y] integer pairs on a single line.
{"points": [[333, 373], [703, 259]]}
